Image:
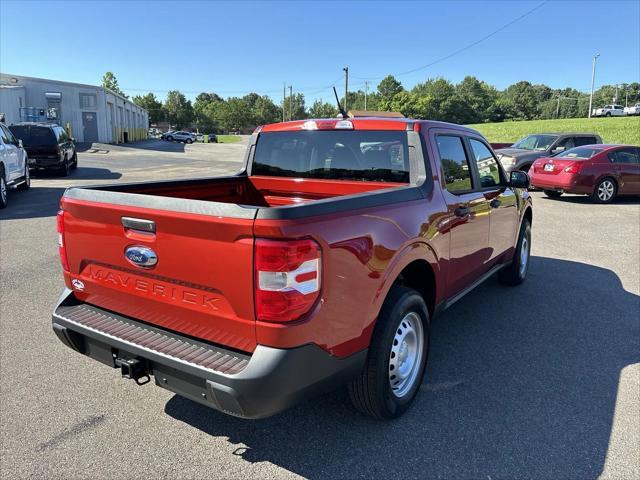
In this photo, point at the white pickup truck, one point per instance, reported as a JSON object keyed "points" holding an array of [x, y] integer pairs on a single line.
{"points": [[634, 110], [609, 111]]}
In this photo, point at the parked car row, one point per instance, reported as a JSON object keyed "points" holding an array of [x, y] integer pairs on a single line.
{"points": [[29, 146], [575, 163]]}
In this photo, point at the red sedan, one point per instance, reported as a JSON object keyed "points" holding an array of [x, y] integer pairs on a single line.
{"points": [[600, 171]]}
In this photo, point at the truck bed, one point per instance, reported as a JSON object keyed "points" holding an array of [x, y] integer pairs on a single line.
{"points": [[254, 191]]}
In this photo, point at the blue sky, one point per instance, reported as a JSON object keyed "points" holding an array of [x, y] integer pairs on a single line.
{"points": [[235, 48]]}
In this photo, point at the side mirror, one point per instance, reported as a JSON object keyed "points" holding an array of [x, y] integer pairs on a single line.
{"points": [[20, 143], [73, 139], [557, 150], [519, 179]]}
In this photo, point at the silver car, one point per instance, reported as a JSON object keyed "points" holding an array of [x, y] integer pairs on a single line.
{"points": [[180, 136]]}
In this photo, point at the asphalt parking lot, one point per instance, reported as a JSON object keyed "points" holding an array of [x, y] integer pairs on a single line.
{"points": [[537, 381]]}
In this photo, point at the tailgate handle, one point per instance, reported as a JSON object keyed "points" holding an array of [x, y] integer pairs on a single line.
{"points": [[139, 224]]}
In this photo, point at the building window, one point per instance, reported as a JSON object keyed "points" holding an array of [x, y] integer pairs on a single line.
{"points": [[88, 100]]}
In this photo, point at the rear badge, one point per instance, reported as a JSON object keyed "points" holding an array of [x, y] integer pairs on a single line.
{"points": [[77, 284], [141, 256]]}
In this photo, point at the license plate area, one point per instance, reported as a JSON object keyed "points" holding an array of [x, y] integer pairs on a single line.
{"points": [[548, 167]]}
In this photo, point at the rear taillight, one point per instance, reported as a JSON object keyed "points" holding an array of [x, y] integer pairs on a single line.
{"points": [[287, 278], [61, 246], [573, 168]]}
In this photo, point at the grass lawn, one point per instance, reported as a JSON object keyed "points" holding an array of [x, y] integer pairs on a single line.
{"points": [[229, 138], [612, 130]]}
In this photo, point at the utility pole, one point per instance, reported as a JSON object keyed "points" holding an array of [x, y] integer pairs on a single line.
{"points": [[615, 99], [284, 98], [290, 103], [626, 98], [346, 86], [558, 107], [366, 91], [593, 79]]}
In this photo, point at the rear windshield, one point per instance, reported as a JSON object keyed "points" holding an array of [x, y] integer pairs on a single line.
{"points": [[578, 153], [367, 155], [33, 135]]}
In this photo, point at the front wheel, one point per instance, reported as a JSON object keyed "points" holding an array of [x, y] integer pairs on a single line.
{"points": [[397, 357], [189, 141], [169, 139], [608, 114], [516, 271], [552, 193], [74, 162], [3, 190], [26, 180], [605, 191], [65, 169]]}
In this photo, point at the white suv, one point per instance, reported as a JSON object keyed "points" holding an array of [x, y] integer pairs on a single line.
{"points": [[14, 168], [609, 111], [180, 136]]}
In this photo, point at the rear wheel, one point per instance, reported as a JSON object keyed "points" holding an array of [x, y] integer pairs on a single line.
{"points": [[170, 139], [552, 193], [516, 272], [608, 114], [189, 141], [605, 191], [397, 357], [3, 190], [65, 169], [26, 180]]}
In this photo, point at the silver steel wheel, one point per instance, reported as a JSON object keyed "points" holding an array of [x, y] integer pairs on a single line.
{"points": [[406, 354], [3, 189], [605, 190], [524, 256]]}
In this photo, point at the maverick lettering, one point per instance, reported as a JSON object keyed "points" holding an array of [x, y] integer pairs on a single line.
{"points": [[154, 288]]}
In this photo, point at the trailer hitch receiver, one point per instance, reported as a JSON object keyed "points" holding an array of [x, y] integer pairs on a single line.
{"points": [[133, 368]]}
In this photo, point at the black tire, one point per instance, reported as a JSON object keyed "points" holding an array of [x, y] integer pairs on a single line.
{"points": [[26, 179], [515, 273], [189, 141], [3, 190], [608, 114], [371, 391], [169, 139], [65, 168], [605, 191], [525, 168], [552, 193], [74, 161]]}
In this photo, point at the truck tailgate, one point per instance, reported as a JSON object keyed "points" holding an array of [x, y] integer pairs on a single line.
{"points": [[202, 283]]}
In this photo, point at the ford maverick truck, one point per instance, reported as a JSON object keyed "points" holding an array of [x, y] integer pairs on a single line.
{"points": [[320, 264]]}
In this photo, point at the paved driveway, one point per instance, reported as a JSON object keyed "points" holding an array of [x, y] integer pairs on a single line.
{"points": [[538, 381]]}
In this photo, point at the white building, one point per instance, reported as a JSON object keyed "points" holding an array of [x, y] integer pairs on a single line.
{"points": [[93, 114]]}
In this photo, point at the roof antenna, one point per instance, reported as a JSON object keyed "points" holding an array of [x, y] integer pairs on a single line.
{"points": [[340, 109]]}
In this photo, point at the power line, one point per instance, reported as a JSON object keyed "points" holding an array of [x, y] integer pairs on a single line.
{"points": [[466, 47]]}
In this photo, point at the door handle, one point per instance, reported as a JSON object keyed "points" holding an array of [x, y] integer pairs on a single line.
{"points": [[461, 211], [495, 203]]}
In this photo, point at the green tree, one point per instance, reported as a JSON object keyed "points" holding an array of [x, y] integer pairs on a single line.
{"points": [[178, 110], [476, 101], [522, 102], [441, 103], [205, 110], [265, 111], [152, 105], [234, 115], [388, 88], [297, 107], [110, 81], [321, 109]]}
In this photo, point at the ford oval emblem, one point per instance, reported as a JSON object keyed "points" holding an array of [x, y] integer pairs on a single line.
{"points": [[141, 256]]}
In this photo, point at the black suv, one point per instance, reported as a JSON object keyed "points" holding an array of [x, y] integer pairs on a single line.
{"points": [[48, 146]]}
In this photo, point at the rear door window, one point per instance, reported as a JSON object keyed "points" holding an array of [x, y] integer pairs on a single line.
{"points": [[487, 165], [455, 165], [580, 141], [625, 155], [368, 155]]}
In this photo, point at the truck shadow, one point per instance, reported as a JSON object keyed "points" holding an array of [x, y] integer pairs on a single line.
{"points": [[586, 200], [35, 203], [521, 383], [81, 173]]}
